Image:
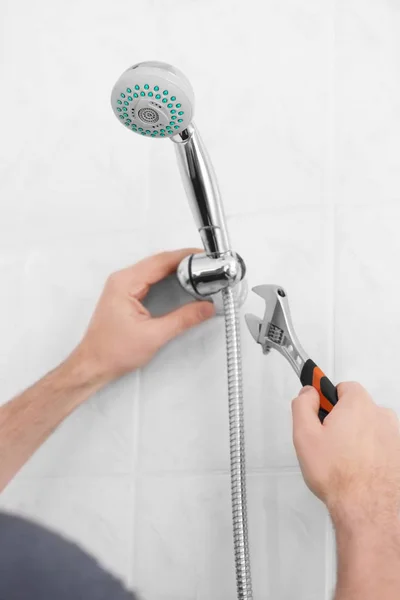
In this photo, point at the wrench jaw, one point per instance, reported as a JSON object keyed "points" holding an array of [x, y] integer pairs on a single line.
{"points": [[275, 330], [269, 293], [254, 326]]}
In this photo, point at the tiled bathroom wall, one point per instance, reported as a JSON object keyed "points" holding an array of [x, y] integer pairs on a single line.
{"points": [[298, 103]]}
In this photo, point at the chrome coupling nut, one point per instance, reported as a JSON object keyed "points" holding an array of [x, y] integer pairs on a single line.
{"points": [[202, 275]]}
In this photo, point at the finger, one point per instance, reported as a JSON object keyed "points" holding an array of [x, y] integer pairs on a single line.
{"points": [[154, 268], [390, 415], [305, 411], [352, 394], [171, 325], [350, 388]]}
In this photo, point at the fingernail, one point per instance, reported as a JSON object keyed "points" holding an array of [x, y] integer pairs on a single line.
{"points": [[305, 389]]}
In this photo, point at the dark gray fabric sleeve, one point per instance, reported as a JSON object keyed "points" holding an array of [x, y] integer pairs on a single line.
{"points": [[37, 564]]}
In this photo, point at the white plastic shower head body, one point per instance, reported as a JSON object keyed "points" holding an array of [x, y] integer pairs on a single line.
{"points": [[153, 99]]}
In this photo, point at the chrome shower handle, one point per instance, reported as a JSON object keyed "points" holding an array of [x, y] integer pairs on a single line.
{"points": [[201, 188], [205, 274]]}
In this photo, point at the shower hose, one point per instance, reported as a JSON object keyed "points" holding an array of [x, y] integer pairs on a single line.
{"points": [[237, 446]]}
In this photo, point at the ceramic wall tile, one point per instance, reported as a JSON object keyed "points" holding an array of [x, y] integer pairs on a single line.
{"points": [[367, 96], [60, 287], [185, 530], [262, 100], [366, 308]]}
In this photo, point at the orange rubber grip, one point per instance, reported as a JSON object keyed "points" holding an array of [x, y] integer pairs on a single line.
{"points": [[312, 375]]}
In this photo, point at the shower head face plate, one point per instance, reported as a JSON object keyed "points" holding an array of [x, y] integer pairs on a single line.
{"points": [[153, 99]]}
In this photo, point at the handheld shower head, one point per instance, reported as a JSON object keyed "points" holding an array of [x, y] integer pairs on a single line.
{"points": [[156, 100], [153, 99]]}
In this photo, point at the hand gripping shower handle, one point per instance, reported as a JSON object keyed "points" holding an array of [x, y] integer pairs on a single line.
{"points": [[328, 396]]}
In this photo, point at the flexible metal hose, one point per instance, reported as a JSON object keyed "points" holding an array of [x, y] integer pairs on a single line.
{"points": [[237, 446]]}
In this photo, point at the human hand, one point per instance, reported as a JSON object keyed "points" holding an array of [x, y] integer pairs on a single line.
{"points": [[352, 460], [122, 334]]}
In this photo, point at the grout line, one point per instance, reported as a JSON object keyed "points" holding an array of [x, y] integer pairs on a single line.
{"points": [[330, 552], [331, 197], [37, 239], [177, 474], [134, 481], [20, 477], [136, 421], [273, 208], [251, 472]]}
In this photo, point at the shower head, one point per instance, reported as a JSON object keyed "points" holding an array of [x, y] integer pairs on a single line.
{"points": [[156, 100], [153, 99]]}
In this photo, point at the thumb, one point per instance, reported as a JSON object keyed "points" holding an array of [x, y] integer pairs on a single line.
{"points": [[305, 411], [185, 317]]}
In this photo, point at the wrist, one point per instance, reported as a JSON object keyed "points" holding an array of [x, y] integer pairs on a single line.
{"points": [[357, 523], [83, 371], [368, 553]]}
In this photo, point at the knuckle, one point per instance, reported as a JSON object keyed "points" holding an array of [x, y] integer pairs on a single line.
{"points": [[160, 256], [353, 393], [350, 387], [185, 321], [303, 438], [114, 280], [191, 317], [389, 413], [113, 277], [201, 312], [295, 402]]}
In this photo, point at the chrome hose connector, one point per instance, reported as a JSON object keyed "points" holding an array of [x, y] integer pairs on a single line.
{"points": [[202, 276]]}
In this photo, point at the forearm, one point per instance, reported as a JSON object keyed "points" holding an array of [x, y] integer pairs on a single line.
{"points": [[368, 559], [28, 420]]}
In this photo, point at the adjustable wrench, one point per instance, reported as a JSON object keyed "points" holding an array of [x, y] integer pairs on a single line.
{"points": [[276, 331]]}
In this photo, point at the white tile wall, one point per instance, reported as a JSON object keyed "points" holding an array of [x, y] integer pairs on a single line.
{"points": [[298, 105], [184, 522]]}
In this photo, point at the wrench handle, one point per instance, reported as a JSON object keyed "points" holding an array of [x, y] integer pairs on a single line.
{"points": [[328, 396]]}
